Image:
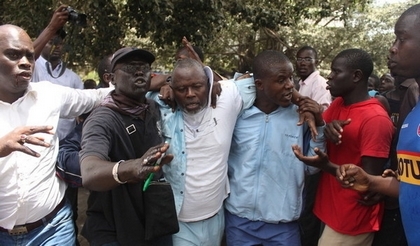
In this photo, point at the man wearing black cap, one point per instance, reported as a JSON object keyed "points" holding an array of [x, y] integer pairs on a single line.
{"points": [[120, 143]]}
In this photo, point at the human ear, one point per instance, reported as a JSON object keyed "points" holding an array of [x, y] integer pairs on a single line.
{"points": [[258, 84], [357, 75]]}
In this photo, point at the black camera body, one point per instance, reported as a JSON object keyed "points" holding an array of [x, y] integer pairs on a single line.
{"points": [[76, 17]]}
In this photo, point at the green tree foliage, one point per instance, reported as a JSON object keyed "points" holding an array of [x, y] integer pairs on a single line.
{"points": [[230, 32]]}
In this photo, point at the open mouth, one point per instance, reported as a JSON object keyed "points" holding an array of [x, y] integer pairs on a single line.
{"points": [[140, 82]]}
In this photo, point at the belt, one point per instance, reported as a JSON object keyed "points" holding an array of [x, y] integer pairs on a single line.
{"points": [[23, 229]]}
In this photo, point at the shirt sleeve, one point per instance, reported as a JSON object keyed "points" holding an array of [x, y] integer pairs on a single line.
{"points": [[320, 143], [75, 102], [376, 137], [247, 91]]}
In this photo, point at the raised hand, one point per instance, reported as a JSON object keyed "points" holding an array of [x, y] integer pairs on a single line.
{"points": [[334, 129], [191, 50]]}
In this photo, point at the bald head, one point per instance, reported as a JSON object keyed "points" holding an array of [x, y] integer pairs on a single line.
{"points": [[8, 30], [16, 62]]}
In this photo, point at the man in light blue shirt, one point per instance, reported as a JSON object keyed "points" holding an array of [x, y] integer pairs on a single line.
{"points": [[266, 179]]}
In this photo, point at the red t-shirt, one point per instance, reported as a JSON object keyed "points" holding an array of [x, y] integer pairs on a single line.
{"points": [[369, 134]]}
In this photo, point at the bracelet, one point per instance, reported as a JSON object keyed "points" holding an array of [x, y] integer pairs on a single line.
{"points": [[115, 172]]}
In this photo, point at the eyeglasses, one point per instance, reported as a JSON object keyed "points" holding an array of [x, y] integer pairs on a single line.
{"points": [[133, 68], [306, 59]]}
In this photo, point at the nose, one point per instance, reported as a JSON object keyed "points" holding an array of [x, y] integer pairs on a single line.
{"points": [[139, 72], [393, 49], [290, 83], [25, 63], [329, 77], [190, 92]]}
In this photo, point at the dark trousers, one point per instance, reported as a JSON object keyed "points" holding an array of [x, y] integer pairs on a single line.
{"points": [[392, 231], [310, 225]]}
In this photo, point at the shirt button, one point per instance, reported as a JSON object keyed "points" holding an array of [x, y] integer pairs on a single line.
{"points": [[182, 130], [181, 192], [182, 174], [182, 152]]}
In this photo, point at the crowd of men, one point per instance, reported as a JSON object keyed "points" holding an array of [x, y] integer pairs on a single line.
{"points": [[259, 159]]}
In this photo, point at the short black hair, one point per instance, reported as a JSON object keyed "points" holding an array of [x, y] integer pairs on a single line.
{"points": [[307, 47], [197, 50], [376, 80], [413, 10], [264, 59], [89, 84], [104, 66], [358, 59]]}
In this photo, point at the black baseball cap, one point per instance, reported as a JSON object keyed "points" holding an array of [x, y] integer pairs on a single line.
{"points": [[123, 52]]}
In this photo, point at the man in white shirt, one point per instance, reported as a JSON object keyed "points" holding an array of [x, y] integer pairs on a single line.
{"points": [[311, 83], [50, 67], [33, 210]]}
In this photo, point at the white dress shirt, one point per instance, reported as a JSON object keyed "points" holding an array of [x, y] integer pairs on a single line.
{"points": [[29, 188], [315, 87]]}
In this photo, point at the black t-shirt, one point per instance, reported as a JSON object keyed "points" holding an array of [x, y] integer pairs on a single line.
{"points": [[117, 215]]}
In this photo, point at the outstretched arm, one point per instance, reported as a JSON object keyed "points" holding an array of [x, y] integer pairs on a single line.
{"points": [[354, 177], [97, 174], [195, 56]]}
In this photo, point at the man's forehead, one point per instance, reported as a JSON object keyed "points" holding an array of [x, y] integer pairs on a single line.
{"points": [[189, 73], [13, 42], [408, 23], [307, 52]]}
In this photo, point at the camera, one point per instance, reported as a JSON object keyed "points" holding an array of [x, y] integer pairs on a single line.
{"points": [[76, 18]]}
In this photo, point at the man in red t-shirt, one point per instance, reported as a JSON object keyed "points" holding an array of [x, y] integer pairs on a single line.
{"points": [[360, 132]]}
